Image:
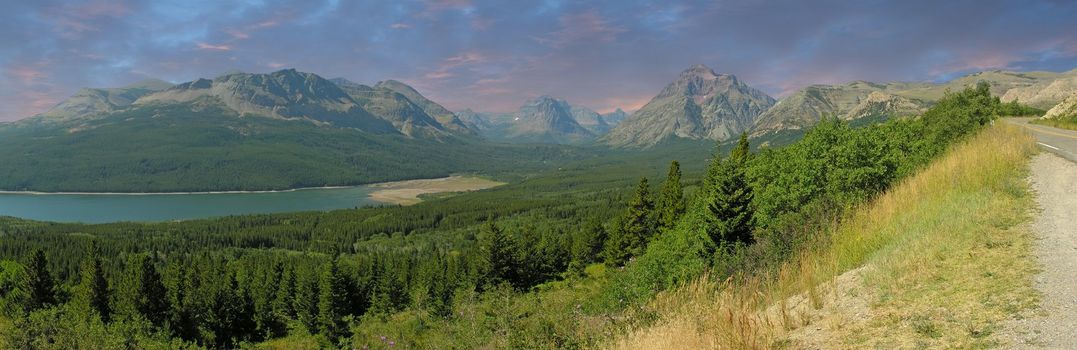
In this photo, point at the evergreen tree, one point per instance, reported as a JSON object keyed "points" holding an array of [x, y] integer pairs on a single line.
{"points": [[588, 245], [639, 225], [284, 302], [183, 321], [306, 302], [670, 204], [496, 261], [333, 302], [267, 317], [151, 297], [93, 289], [729, 197], [39, 283]]}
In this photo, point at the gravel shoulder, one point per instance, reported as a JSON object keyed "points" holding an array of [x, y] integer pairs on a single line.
{"points": [[1054, 181]]}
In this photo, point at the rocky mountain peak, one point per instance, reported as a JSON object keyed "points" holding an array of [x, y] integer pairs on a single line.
{"points": [[699, 104]]}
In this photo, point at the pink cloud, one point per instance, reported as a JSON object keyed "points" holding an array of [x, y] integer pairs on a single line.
{"points": [[25, 74], [976, 61], [275, 65], [582, 27], [105, 8], [435, 6], [626, 103], [480, 23], [32, 92], [211, 47], [238, 35], [438, 75], [265, 24], [452, 63]]}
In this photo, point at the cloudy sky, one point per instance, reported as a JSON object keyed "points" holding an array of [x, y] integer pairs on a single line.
{"points": [[493, 55]]}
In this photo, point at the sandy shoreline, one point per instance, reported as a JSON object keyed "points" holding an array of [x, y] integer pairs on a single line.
{"points": [[407, 192], [404, 192]]}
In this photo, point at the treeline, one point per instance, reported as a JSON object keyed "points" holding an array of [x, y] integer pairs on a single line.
{"points": [[421, 270]]}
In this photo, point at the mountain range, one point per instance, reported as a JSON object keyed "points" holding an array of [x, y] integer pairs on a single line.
{"points": [[702, 104], [289, 129], [244, 131]]}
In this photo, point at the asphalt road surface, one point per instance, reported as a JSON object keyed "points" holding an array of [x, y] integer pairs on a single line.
{"points": [[1058, 141]]}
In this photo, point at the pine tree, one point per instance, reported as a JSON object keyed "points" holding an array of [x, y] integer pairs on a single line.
{"points": [[588, 245], [306, 302], [333, 302], [39, 283], [182, 320], [151, 297], [496, 259], [639, 225], [283, 304], [269, 320], [729, 197], [93, 289], [670, 204]]}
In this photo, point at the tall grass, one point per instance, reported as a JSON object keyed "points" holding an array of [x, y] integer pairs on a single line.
{"points": [[1061, 123], [904, 237]]}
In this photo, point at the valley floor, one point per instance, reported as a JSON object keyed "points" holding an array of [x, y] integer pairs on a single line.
{"points": [[1055, 182]]}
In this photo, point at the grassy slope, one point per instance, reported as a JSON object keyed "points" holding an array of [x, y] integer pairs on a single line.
{"points": [[939, 260]]}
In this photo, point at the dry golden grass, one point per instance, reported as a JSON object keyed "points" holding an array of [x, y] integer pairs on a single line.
{"points": [[939, 260]]}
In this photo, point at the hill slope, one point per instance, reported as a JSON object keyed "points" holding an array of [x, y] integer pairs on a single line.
{"points": [[852, 101]]}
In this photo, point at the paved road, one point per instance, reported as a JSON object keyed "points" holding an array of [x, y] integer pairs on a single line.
{"points": [[1058, 141]]}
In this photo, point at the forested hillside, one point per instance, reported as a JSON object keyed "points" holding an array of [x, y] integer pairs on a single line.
{"points": [[568, 259]]}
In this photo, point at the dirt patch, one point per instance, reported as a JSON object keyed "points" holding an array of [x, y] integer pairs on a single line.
{"points": [[815, 317], [408, 192], [1052, 326]]}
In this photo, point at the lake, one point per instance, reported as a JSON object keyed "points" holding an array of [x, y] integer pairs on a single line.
{"points": [[98, 208]]}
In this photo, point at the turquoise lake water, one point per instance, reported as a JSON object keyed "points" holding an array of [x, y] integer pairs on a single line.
{"points": [[98, 208]]}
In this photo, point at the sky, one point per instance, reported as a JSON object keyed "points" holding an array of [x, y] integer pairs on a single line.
{"points": [[494, 55]]}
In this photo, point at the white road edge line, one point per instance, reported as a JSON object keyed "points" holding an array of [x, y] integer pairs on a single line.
{"points": [[1048, 146]]}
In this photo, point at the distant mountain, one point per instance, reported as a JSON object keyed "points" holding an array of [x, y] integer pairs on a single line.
{"points": [[474, 120], [90, 101], [1047, 92], [547, 119], [700, 104], [852, 101], [615, 117], [441, 114], [590, 120], [285, 94]]}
